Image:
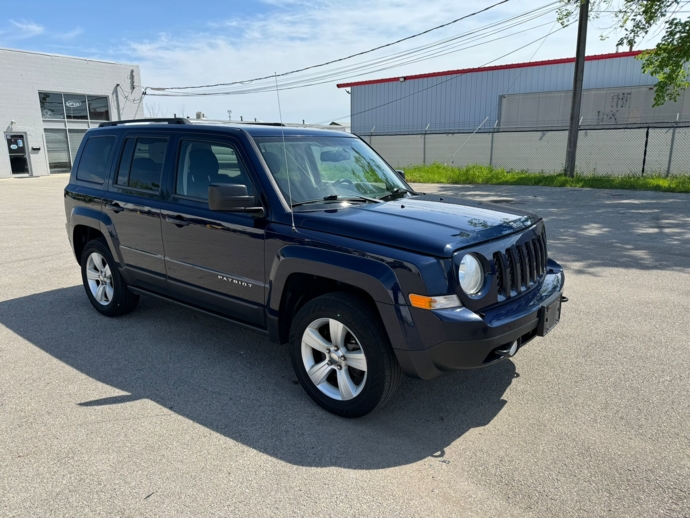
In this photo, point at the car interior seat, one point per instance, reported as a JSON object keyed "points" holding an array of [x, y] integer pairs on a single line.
{"points": [[203, 170]]}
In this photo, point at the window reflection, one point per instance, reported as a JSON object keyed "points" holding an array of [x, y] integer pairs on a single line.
{"points": [[51, 105], [93, 165], [69, 107], [75, 107], [75, 138], [98, 108], [58, 151]]}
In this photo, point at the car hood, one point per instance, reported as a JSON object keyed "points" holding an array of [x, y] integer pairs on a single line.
{"points": [[428, 224]]}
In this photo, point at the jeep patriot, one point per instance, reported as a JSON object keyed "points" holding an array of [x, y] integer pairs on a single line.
{"points": [[312, 239]]}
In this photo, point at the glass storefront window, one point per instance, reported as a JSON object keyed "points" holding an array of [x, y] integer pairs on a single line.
{"points": [[75, 138], [51, 105], [98, 108], [69, 107], [58, 151], [75, 107]]}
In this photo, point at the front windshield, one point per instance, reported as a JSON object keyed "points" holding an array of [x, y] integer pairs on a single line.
{"points": [[322, 167]]}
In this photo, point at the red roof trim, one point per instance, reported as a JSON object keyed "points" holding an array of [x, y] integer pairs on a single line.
{"points": [[595, 57]]}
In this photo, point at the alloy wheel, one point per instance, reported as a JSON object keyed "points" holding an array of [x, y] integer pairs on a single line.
{"points": [[99, 278], [334, 359]]}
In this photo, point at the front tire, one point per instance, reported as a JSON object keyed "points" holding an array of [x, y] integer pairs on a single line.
{"points": [[105, 287], [341, 355]]}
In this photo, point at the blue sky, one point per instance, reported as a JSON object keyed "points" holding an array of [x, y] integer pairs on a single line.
{"points": [[184, 43], [93, 28]]}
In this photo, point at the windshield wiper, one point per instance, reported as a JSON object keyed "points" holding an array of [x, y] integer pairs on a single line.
{"points": [[335, 197], [397, 191]]}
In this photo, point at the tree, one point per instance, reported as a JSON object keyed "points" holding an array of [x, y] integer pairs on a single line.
{"points": [[635, 20], [154, 110]]}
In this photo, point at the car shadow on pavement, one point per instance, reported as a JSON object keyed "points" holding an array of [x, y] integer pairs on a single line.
{"points": [[240, 385]]}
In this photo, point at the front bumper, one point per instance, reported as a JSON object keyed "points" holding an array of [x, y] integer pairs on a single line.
{"points": [[455, 339]]}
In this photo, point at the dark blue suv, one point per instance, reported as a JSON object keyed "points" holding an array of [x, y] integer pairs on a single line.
{"points": [[311, 238]]}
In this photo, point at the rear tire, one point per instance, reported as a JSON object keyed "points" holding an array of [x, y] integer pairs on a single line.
{"points": [[341, 355], [105, 287]]}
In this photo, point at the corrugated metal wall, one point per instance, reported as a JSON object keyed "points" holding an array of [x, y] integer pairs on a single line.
{"points": [[462, 102]]}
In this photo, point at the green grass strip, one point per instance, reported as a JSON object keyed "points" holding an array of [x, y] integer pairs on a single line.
{"points": [[481, 174]]}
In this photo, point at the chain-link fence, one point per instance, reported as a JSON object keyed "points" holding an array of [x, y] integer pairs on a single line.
{"points": [[647, 150]]}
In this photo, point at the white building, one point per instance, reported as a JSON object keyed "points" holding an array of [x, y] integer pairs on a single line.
{"points": [[47, 103]]}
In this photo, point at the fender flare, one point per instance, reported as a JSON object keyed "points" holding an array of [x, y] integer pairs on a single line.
{"points": [[374, 277], [97, 220]]}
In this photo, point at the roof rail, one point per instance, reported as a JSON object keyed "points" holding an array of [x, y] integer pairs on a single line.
{"points": [[177, 120], [260, 123]]}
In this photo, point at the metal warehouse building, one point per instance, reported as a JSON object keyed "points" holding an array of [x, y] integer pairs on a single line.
{"points": [[48, 102], [508, 97]]}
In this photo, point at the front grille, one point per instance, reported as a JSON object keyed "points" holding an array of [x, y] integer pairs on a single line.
{"points": [[521, 266]]}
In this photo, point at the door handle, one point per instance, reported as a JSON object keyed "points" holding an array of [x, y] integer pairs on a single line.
{"points": [[178, 220], [114, 207]]}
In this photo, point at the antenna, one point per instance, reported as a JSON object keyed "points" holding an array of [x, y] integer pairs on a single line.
{"points": [[287, 167]]}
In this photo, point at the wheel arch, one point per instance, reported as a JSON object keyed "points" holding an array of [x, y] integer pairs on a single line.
{"points": [[87, 224], [81, 235], [299, 274]]}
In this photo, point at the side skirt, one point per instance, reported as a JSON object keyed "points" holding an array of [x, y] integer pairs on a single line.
{"points": [[141, 291]]}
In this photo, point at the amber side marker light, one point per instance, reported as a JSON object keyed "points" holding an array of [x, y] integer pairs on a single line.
{"points": [[442, 302]]}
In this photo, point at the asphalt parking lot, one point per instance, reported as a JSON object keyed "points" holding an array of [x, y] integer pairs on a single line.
{"points": [[166, 412]]}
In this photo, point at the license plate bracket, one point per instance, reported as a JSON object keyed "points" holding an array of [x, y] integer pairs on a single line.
{"points": [[549, 316]]}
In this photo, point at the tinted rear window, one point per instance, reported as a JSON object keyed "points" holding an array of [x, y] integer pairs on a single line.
{"points": [[142, 163], [93, 165]]}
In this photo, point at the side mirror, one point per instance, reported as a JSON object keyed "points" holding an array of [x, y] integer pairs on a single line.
{"points": [[228, 197], [401, 173]]}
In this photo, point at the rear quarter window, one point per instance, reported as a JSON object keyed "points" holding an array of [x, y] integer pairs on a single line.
{"points": [[95, 159], [142, 163]]}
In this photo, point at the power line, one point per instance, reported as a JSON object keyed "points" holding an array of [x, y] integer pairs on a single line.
{"points": [[127, 98], [530, 60], [456, 76], [418, 59], [337, 73], [424, 52], [507, 91], [339, 59], [328, 78], [445, 44]]}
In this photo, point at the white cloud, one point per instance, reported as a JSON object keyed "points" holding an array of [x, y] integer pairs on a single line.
{"points": [[24, 29], [295, 33], [78, 31]]}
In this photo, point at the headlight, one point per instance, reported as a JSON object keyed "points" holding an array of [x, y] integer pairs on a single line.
{"points": [[471, 275]]}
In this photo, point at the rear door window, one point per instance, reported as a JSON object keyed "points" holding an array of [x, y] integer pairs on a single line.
{"points": [[95, 158], [141, 164]]}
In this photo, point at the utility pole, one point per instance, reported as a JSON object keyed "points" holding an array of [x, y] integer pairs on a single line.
{"points": [[574, 128]]}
